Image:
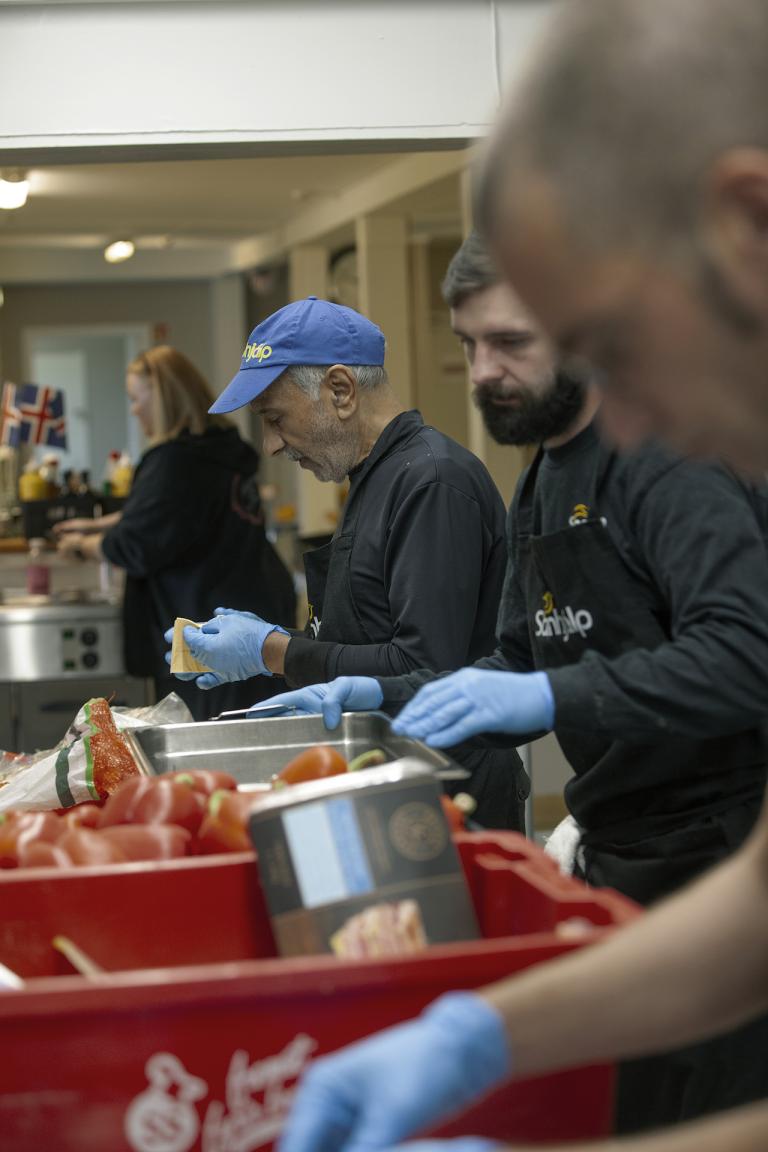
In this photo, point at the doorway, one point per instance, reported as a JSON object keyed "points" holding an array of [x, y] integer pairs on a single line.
{"points": [[88, 365]]}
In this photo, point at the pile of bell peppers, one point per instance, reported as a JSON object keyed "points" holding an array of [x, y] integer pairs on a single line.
{"points": [[145, 818], [163, 817]]}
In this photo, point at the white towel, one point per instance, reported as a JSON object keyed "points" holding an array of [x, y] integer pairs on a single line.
{"points": [[563, 844]]}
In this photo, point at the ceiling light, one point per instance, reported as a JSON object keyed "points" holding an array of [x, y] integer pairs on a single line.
{"points": [[14, 188], [118, 251]]}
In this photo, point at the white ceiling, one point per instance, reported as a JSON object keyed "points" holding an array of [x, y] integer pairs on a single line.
{"points": [[197, 206]]}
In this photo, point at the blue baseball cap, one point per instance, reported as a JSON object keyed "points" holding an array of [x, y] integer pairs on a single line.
{"points": [[310, 331]]}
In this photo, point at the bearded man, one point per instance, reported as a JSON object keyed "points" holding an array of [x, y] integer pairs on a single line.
{"points": [[633, 625]]}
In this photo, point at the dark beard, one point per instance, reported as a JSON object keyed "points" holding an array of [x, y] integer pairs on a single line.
{"points": [[535, 418]]}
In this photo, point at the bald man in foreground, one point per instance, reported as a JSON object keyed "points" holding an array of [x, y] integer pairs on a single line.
{"points": [[626, 195]]}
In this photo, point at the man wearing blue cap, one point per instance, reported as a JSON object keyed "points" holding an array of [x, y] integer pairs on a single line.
{"points": [[412, 577]]}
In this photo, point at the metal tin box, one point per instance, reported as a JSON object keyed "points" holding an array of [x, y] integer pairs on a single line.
{"points": [[361, 864]]}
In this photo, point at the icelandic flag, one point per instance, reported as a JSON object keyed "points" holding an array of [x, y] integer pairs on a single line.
{"points": [[10, 426], [42, 415]]}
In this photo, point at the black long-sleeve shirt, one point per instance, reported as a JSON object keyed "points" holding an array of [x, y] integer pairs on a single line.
{"points": [[427, 564], [694, 538], [191, 538]]}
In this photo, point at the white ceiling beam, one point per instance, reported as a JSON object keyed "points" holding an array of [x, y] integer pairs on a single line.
{"points": [[372, 194]]}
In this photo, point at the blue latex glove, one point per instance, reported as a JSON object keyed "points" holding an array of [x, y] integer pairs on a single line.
{"points": [[453, 708], [168, 637], [345, 694], [230, 644], [379, 1091]]}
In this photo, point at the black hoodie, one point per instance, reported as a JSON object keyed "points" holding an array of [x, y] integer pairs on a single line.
{"points": [[192, 538]]}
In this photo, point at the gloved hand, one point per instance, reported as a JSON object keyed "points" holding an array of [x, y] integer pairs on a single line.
{"points": [[345, 694], [168, 637], [230, 644], [455, 707], [380, 1090]]}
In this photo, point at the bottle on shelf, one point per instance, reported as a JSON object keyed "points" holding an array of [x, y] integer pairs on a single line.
{"points": [[113, 460], [122, 476], [32, 486], [38, 572], [49, 470]]}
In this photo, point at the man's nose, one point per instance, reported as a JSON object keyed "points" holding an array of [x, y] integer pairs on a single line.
{"points": [[272, 442], [485, 367]]}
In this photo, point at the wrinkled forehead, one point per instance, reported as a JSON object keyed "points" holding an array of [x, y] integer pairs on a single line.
{"points": [[494, 309], [282, 393]]}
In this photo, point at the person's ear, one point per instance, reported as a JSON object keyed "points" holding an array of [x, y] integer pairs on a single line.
{"points": [[341, 385], [736, 223]]}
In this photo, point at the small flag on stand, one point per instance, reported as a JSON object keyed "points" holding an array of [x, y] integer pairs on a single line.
{"points": [[10, 428], [42, 416]]}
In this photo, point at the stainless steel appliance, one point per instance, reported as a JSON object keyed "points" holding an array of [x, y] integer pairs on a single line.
{"points": [[253, 750], [53, 657]]}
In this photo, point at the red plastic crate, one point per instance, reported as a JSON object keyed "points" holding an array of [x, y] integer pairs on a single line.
{"points": [[205, 1056]]}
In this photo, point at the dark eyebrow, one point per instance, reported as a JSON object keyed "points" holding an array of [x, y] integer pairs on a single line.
{"points": [[503, 334]]}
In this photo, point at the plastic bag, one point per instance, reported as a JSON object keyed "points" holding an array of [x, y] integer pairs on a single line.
{"points": [[90, 761]]}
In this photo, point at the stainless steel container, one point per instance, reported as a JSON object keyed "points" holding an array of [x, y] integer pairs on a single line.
{"points": [[63, 640], [54, 655], [361, 864], [254, 750]]}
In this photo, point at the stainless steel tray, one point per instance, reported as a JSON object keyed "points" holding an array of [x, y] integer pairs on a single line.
{"points": [[253, 750]]}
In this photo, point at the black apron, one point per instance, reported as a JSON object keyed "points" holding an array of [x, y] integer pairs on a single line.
{"points": [[664, 823], [499, 783]]}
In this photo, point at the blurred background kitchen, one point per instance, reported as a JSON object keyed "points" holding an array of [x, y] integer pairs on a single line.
{"points": [[237, 168]]}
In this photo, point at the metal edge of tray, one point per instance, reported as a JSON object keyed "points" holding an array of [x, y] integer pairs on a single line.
{"points": [[406, 770], [354, 725]]}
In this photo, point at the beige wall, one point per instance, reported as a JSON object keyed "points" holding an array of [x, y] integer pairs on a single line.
{"points": [[184, 307]]}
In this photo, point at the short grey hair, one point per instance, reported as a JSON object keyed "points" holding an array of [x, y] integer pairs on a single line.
{"points": [[625, 110], [471, 270], [309, 377]]}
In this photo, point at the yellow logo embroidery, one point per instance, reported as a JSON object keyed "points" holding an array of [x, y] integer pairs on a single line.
{"points": [[257, 352], [549, 603]]}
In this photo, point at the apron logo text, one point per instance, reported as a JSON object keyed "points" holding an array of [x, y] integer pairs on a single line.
{"points": [[564, 623], [580, 515]]}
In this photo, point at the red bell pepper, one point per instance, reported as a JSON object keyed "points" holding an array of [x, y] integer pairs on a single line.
{"points": [[18, 829], [121, 806], [315, 764], [87, 846], [171, 802], [204, 780], [149, 841], [84, 815], [225, 827], [42, 854], [458, 809], [154, 800]]}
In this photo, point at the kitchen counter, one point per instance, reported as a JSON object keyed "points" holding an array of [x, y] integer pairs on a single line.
{"points": [[68, 575]]}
